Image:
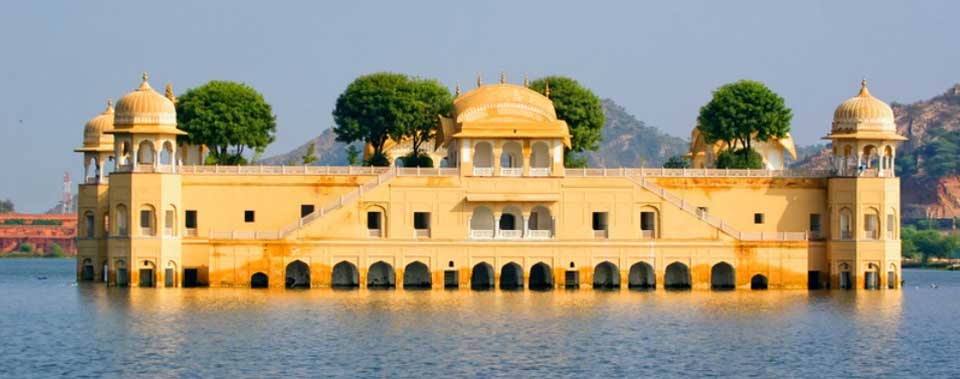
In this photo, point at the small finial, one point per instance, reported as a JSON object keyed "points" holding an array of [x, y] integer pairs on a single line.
{"points": [[479, 79], [144, 85], [458, 89], [503, 77], [109, 105], [169, 93], [526, 81], [863, 88], [145, 76], [546, 89]]}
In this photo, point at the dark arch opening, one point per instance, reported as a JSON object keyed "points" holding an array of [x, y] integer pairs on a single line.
{"points": [[381, 275], [642, 276], [606, 276], [259, 280], [511, 277], [417, 275], [758, 282], [541, 277], [722, 277], [481, 276], [677, 277], [298, 275], [508, 222], [345, 275]]}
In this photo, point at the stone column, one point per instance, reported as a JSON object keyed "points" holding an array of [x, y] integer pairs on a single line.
{"points": [[526, 153]]}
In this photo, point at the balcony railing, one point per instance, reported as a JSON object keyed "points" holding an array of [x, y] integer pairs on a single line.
{"points": [[539, 171], [421, 233], [481, 234], [539, 234], [647, 234], [374, 233], [511, 171], [846, 235], [168, 232], [191, 232], [483, 171], [600, 234], [146, 231], [509, 234], [871, 234]]}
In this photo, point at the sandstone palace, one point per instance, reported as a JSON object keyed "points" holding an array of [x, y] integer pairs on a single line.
{"points": [[498, 211]]}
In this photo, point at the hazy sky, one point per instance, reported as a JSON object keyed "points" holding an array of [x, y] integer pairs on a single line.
{"points": [[61, 60]]}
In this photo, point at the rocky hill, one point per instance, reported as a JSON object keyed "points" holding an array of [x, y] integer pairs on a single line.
{"points": [[927, 188], [627, 142]]}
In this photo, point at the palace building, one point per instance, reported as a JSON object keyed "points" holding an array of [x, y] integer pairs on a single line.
{"points": [[502, 211]]}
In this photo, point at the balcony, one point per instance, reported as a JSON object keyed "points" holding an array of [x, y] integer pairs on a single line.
{"points": [[191, 232], [421, 233], [648, 234], [871, 234], [846, 235], [483, 171], [539, 171], [511, 171], [539, 234], [374, 233], [600, 234], [146, 231]]}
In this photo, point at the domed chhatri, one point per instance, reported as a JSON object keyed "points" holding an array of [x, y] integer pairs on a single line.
{"points": [[145, 107], [864, 115], [95, 137]]}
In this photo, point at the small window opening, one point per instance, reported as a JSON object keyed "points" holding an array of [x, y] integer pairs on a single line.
{"points": [[248, 216], [758, 218]]}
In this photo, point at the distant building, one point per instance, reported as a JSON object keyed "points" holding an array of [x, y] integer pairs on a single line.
{"points": [[503, 213], [774, 152], [39, 230]]}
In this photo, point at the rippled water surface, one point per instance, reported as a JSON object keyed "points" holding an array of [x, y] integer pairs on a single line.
{"points": [[54, 327]]}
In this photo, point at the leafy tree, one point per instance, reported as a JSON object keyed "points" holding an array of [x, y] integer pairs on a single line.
{"points": [[375, 108], [940, 155], [6, 206], [582, 111], [311, 155], [353, 155], [55, 250], [927, 243], [227, 117], [741, 112], [432, 100], [740, 158], [26, 247], [677, 161]]}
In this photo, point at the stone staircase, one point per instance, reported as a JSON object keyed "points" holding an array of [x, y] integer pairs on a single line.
{"points": [[337, 203], [712, 220]]}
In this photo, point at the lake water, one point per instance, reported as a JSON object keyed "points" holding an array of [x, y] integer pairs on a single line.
{"points": [[54, 327]]}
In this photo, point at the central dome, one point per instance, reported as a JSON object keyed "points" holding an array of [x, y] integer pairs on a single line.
{"points": [[144, 106], [504, 100], [863, 113]]}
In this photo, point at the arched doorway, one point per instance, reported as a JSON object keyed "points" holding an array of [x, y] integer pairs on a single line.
{"points": [[539, 159], [722, 277], [892, 281], [511, 159], [510, 224], [606, 276], [481, 276], [677, 277], [758, 282], [381, 275], [345, 275], [297, 275], [846, 280], [147, 274], [416, 275], [541, 277], [259, 280], [871, 277], [642, 276], [481, 223], [511, 277], [483, 159], [87, 270]]}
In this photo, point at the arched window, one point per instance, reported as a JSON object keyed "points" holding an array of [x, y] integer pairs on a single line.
{"points": [[166, 155], [376, 221], [870, 156], [481, 223], [511, 159], [89, 224], [91, 170], [892, 223], [123, 221], [846, 224], [540, 224], [649, 220], [483, 159], [170, 221], [539, 159], [148, 222], [106, 223], [145, 153], [511, 223], [871, 224]]}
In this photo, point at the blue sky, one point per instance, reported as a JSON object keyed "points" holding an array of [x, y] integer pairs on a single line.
{"points": [[62, 59]]}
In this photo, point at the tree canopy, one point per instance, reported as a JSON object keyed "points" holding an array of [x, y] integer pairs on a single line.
{"points": [[384, 105], [6, 206], [580, 108], [677, 161], [925, 243], [742, 112], [227, 117]]}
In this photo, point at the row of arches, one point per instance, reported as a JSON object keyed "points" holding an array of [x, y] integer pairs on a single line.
{"points": [[511, 156], [606, 275], [148, 218], [848, 160], [146, 154], [874, 225], [511, 219]]}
